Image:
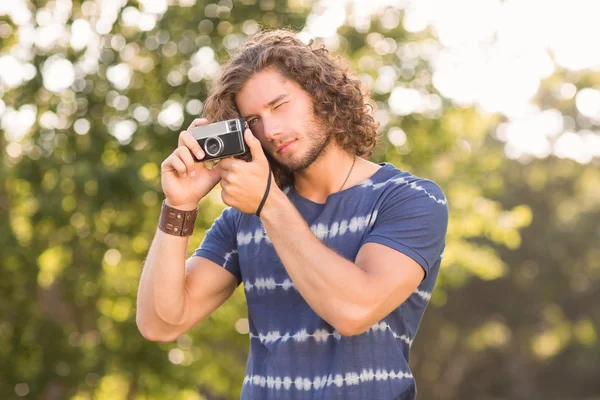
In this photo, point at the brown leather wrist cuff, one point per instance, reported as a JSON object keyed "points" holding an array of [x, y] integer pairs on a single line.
{"points": [[176, 222]]}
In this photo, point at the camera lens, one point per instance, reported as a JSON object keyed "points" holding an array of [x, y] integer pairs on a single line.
{"points": [[213, 146]]}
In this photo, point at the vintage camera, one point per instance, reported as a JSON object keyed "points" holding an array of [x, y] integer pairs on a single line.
{"points": [[221, 139]]}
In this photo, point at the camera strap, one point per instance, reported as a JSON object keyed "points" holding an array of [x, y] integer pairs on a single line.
{"points": [[264, 199]]}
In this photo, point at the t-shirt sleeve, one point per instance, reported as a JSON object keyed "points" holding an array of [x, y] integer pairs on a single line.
{"points": [[413, 220], [220, 243]]}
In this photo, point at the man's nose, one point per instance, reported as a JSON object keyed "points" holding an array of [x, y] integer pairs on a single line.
{"points": [[272, 128]]}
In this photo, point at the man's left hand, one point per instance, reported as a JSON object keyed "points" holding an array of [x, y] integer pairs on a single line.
{"points": [[244, 183]]}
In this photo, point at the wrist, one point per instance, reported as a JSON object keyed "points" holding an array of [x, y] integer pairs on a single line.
{"points": [[275, 203], [182, 206], [176, 221]]}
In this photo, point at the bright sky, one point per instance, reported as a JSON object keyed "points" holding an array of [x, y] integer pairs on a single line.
{"points": [[493, 55]]}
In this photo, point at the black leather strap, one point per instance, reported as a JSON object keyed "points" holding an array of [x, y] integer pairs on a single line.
{"points": [[264, 199]]}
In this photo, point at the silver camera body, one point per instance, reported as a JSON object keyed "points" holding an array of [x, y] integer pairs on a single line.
{"points": [[221, 139]]}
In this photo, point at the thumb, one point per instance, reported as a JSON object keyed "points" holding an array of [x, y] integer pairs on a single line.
{"points": [[254, 144]]}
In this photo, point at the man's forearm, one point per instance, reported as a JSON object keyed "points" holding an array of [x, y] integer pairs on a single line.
{"points": [[333, 286], [161, 292]]}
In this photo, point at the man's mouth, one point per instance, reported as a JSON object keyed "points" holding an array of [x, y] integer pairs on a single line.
{"points": [[282, 148]]}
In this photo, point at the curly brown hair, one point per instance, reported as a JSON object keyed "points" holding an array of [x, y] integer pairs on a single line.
{"points": [[338, 98]]}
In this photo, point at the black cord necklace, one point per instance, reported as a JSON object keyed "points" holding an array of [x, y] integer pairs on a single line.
{"points": [[343, 184]]}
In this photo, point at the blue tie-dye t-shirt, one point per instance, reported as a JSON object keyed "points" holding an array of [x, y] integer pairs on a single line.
{"points": [[294, 353]]}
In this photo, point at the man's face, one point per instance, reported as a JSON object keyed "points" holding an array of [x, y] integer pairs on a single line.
{"points": [[280, 114]]}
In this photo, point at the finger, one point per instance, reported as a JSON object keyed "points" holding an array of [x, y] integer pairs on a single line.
{"points": [[184, 154], [227, 176], [198, 122], [186, 139], [178, 165], [254, 145], [227, 164], [225, 188], [225, 198]]}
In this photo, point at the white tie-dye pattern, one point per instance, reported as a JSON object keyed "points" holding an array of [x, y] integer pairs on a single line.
{"points": [[401, 181], [413, 185], [382, 326], [321, 335], [228, 256], [320, 382], [376, 186], [321, 231], [423, 294], [354, 225], [267, 284]]}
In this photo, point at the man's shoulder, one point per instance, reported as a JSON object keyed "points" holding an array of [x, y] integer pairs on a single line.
{"points": [[408, 185]]}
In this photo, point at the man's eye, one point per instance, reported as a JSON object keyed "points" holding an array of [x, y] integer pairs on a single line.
{"points": [[252, 121]]}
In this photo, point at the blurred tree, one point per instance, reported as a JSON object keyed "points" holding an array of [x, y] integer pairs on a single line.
{"points": [[532, 334]]}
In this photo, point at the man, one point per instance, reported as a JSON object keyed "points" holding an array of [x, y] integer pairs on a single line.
{"points": [[338, 256]]}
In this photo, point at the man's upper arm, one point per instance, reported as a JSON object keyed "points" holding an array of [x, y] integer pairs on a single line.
{"points": [[207, 286], [405, 243], [213, 272], [393, 276], [413, 222]]}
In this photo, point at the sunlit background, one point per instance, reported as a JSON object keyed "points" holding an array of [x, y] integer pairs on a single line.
{"points": [[497, 101], [489, 53]]}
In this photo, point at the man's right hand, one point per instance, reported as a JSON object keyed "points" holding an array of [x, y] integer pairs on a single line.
{"points": [[184, 181]]}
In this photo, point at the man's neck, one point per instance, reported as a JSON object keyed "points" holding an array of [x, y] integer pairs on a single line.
{"points": [[326, 175]]}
